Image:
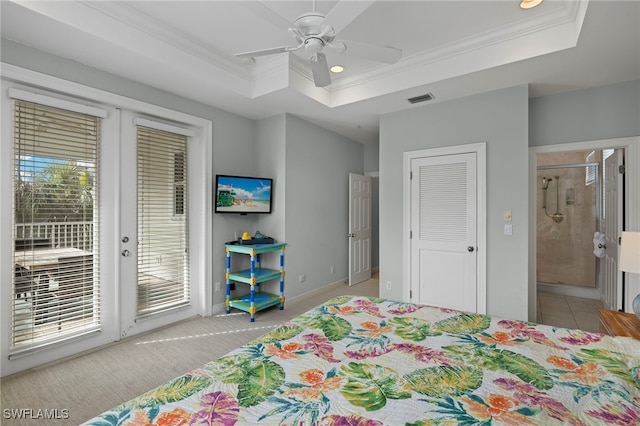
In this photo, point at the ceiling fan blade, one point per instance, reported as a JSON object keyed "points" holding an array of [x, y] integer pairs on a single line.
{"points": [[344, 12], [264, 52], [388, 55], [265, 12], [320, 70]]}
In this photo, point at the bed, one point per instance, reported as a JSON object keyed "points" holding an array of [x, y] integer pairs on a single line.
{"points": [[367, 361]]}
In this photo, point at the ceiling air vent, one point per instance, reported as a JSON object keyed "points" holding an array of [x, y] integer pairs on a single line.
{"points": [[421, 98]]}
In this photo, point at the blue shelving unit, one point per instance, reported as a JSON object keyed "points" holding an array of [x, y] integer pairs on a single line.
{"points": [[255, 300]]}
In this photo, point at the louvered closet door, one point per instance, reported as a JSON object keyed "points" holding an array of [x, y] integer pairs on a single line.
{"points": [[443, 227]]}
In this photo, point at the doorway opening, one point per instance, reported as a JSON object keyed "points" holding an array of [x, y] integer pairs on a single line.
{"points": [[569, 212], [578, 205]]}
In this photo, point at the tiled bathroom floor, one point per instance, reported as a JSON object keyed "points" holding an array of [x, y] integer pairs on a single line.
{"points": [[569, 312]]}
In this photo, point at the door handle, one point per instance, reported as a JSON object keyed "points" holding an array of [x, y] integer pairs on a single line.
{"points": [[125, 239], [125, 253], [470, 249], [351, 235]]}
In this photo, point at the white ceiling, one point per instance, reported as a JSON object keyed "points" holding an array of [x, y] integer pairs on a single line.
{"points": [[450, 49]]}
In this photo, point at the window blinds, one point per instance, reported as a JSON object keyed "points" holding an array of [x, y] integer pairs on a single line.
{"points": [[163, 258], [56, 288]]}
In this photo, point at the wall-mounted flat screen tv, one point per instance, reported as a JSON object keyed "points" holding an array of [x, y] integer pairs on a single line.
{"points": [[243, 194]]}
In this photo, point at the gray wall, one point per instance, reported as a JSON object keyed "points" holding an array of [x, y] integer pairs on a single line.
{"points": [[318, 163], [498, 118], [271, 151], [604, 112]]}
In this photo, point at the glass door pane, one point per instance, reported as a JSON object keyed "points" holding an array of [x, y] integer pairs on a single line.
{"points": [[163, 272], [56, 286]]}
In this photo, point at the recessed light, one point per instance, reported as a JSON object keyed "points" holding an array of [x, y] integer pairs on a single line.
{"points": [[529, 4], [336, 69]]}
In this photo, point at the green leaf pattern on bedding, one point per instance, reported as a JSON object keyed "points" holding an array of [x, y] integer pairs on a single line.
{"points": [[439, 382], [370, 362], [369, 385]]}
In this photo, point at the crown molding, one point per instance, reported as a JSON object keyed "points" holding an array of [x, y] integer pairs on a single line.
{"points": [[568, 20], [127, 14]]}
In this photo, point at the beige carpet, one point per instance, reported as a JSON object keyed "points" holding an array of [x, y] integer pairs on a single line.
{"points": [[88, 385]]}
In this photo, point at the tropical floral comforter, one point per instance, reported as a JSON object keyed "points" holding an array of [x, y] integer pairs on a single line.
{"points": [[366, 361]]}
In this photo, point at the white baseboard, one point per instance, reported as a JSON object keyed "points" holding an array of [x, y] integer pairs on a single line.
{"points": [[565, 290]]}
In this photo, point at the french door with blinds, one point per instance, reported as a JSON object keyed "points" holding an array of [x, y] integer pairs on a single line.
{"points": [[96, 235], [56, 291], [155, 223]]}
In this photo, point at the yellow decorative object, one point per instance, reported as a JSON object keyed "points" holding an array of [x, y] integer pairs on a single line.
{"points": [[246, 235]]}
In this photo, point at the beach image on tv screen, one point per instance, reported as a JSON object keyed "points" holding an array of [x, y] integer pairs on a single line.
{"points": [[243, 195]]}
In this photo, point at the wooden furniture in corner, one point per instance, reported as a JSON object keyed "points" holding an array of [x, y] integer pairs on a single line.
{"points": [[616, 323]]}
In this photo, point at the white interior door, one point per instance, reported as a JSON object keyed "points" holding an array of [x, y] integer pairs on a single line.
{"points": [[611, 291], [444, 231], [359, 228]]}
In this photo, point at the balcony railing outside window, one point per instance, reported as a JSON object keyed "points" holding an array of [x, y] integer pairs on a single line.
{"points": [[57, 234]]}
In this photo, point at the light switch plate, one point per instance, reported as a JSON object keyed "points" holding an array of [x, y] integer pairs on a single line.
{"points": [[507, 215]]}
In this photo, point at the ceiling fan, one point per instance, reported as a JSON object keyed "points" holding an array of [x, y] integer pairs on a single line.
{"points": [[314, 31]]}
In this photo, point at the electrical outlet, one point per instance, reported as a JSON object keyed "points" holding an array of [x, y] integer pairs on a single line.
{"points": [[217, 286], [388, 285], [301, 278], [508, 229], [332, 269]]}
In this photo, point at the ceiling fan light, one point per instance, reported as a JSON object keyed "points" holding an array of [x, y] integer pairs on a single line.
{"points": [[337, 69], [313, 45], [309, 23], [529, 4]]}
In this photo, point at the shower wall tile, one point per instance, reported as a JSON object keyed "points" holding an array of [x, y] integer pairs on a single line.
{"points": [[565, 248]]}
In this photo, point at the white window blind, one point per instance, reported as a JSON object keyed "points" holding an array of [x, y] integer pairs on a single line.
{"points": [[590, 175], [163, 258], [56, 288]]}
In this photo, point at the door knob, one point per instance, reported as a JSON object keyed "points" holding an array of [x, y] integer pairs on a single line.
{"points": [[125, 253], [470, 249], [125, 239]]}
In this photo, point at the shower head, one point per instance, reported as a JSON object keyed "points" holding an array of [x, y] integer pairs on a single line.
{"points": [[545, 182]]}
